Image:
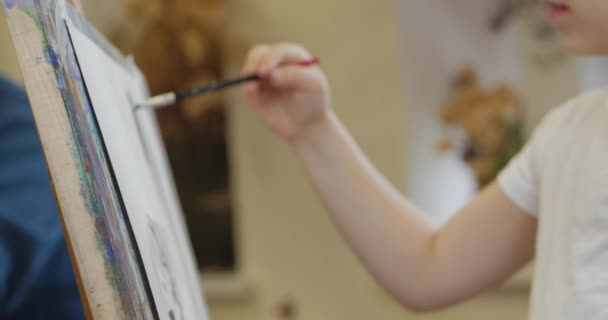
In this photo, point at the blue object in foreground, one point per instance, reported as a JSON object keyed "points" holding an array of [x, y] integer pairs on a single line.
{"points": [[36, 277]]}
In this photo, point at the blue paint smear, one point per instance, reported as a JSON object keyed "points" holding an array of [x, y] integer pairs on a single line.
{"points": [[10, 3], [111, 255], [60, 83], [52, 57]]}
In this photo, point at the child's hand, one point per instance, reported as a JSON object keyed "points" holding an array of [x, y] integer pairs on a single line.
{"points": [[290, 99]]}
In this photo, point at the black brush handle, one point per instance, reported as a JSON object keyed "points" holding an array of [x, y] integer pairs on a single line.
{"points": [[215, 86]]}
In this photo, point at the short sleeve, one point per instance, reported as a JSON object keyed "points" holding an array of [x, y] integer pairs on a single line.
{"points": [[520, 180]]}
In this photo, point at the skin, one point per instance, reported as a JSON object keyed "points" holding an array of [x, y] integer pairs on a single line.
{"points": [[584, 28], [423, 266]]}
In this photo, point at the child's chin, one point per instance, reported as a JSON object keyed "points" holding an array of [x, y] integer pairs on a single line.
{"points": [[583, 47]]}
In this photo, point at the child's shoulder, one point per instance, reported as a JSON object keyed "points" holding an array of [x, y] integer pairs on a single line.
{"points": [[585, 105], [593, 100], [573, 120]]}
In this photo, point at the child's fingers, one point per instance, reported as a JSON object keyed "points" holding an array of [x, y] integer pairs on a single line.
{"points": [[293, 77], [253, 59], [280, 54], [251, 90], [273, 65]]}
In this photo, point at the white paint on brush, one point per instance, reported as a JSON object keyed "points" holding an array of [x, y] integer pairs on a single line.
{"points": [[159, 101]]}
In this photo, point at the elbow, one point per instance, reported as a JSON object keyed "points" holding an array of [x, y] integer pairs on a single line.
{"points": [[424, 297], [420, 304], [424, 294]]}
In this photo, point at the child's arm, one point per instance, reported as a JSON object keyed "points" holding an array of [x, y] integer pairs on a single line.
{"points": [[422, 266]]}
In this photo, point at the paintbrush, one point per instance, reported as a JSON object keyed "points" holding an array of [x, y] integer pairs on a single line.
{"points": [[171, 98]]}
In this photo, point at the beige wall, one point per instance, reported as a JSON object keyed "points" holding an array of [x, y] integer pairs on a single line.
{"points": [[288, 245], [8, 59]]}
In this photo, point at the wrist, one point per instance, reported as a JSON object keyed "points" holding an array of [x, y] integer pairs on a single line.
{"points": [[316, 133]]}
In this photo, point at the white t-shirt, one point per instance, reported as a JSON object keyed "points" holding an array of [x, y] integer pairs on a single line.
{"points": [[561, 177]]}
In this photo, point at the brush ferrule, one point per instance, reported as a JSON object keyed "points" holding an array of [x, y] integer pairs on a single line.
{"points": [[160, 101]]}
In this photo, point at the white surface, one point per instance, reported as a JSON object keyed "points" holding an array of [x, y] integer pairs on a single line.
{"points": [[561, 177], [440, 38], [592, 72], [159, 101], [142, 173]]}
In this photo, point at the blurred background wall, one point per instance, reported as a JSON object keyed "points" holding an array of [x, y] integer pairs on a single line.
{"points": [[8, 60], [289, 256]]}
